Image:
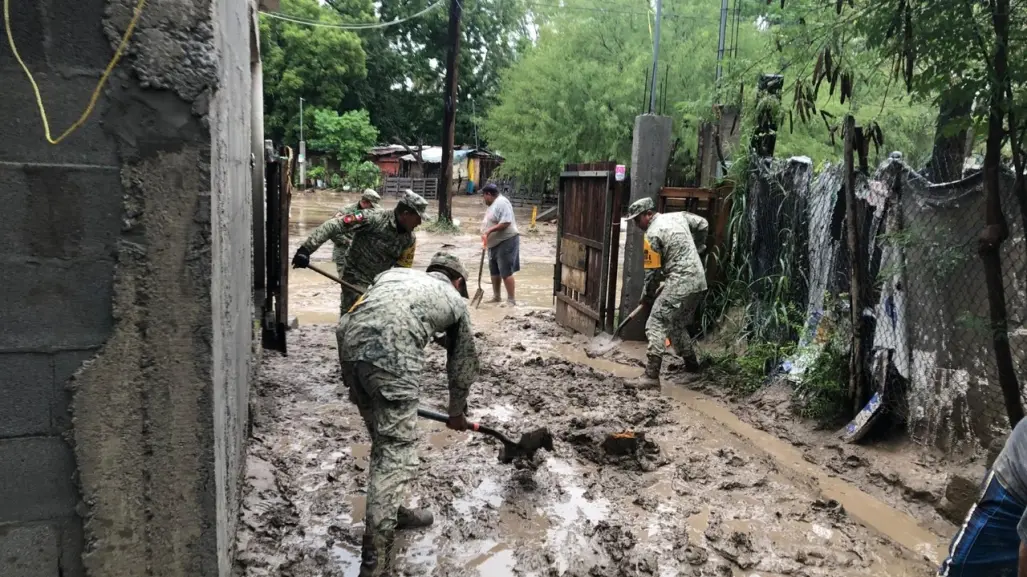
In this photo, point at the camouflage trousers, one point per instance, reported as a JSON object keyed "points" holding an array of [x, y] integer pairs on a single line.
{"points": [[669, 319], [391, 421]]}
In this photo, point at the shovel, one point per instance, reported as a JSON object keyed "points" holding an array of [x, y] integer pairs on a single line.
{"points": [[604, 342], [529, 444], [331, 276], [480, 293]]}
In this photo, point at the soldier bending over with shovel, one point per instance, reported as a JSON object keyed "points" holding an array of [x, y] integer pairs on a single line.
{"points": [[671, 249], [381, 349]]}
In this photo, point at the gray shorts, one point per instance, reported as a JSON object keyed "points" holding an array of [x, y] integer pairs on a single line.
{"points": [[505, 257]]}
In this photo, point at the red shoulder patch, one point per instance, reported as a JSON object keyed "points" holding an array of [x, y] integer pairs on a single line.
{"points": [[347, 219]]}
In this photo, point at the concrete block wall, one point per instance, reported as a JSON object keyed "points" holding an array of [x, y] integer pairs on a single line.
{"points": [[127, 323]]}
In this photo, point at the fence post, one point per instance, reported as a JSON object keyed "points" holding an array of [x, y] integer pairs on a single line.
{"points": [[857, 361]]}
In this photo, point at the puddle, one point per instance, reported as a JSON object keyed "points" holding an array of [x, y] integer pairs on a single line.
{"points": [[487, 493]]}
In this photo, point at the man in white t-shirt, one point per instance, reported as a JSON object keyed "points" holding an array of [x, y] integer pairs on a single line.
{"points": [[499, 234]]}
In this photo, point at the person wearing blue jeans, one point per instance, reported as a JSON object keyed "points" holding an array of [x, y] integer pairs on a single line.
{"points": [[991, 542]]}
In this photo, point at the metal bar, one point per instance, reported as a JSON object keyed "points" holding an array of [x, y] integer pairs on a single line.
{"points": [[656, 55], [611, 289], [557, 272], [604, 264]]}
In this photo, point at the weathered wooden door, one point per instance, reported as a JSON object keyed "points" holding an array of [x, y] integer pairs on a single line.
{"points": [[587, 245]]}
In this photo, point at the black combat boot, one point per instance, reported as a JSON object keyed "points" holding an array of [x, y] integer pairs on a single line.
{"points": [[376, 554], [691, 363], [414, 518], [651, 378]]}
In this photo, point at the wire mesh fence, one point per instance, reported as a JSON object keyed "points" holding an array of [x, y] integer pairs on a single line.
{"points": [[927, 334]]}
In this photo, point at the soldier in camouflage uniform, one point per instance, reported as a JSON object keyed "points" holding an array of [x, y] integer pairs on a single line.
{"points": [[382, 239], [671, 248], [381, 349], [368, 200]]}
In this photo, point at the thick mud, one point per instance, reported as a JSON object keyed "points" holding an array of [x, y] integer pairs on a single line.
{"points": [[639, 482]]}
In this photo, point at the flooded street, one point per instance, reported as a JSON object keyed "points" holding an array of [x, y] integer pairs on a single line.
{"points": [[685, 488]]}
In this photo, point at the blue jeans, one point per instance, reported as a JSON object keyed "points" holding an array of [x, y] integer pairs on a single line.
{"points": [[987, 544]]}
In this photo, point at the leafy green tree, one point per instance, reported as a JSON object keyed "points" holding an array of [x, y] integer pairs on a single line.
{"points": [[574, 95], [406, 66], [316, 64], [346, 136]]}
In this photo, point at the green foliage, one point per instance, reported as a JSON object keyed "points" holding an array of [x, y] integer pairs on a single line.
{"points": [[347, 136], [823, 394], [335, 181], [573, 97], [316, 172], [407, 66], [314, 63], [746, 373], [361, 175]]}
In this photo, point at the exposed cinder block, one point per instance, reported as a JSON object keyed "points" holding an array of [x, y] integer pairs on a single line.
{"points": [[30, 550], [77, 29], [26, 385], [28, 25], [59, 212], [21, 134], [37, 479], [60, 304]]}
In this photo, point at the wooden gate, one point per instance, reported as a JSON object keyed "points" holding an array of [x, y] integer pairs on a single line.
{"points": [[587, 247]]}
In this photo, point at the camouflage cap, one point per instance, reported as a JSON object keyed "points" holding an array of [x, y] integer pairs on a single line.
{"points": [[370, 195], [415, 201], [450, 263], [640, 206]]}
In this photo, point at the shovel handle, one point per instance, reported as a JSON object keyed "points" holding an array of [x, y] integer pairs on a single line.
{"points": [[331, 276], [627, 320], [476, 427]]}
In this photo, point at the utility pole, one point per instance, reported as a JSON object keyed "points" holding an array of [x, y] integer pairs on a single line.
{"points": [[656, 56], [449, 111], [303, 151], [723, 37]]}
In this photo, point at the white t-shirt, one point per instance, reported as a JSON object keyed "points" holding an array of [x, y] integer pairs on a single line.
{"points": [[500, 211]]}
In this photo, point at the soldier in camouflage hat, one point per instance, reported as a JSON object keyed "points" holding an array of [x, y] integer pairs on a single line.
{"points": [[369, 199], [671, 248], [381, 350], [382, 239]]}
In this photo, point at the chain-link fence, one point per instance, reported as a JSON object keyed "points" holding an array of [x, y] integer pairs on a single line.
{"points": [[928, 347]]}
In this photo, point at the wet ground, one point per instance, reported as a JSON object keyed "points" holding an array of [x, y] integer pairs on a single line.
{"points": [[692, 490]]}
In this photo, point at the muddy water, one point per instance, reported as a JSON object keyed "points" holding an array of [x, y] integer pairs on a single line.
{"points": [[707, 497], [315, 299]]}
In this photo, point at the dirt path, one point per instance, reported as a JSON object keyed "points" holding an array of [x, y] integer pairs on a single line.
{"points": [[705, 493]]}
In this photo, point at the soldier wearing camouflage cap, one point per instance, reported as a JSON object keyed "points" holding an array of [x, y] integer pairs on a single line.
{"points": [[671, 248], [382, 239], [381, 350], [369, 199]]}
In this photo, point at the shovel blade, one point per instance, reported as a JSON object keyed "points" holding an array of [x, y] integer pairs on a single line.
{"points": [[602, 344], [478, 295]]}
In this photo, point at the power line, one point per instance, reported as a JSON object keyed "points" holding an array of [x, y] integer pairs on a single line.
{"points": [[364, 26], [670, 15]]}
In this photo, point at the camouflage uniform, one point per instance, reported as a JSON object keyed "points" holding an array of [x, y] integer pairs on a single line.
{"points": [[378, 244], [343, 241], [381, 349], [671, 247]]}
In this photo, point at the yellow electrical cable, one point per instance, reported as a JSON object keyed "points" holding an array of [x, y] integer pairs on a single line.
{"points": [[99, 86]]}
